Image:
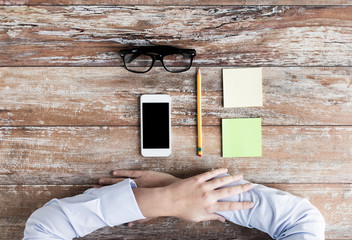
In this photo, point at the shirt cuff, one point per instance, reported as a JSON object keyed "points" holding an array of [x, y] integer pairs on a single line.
{"points": [[119, 204]]}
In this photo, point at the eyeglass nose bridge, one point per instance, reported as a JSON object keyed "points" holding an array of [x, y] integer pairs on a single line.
{"points": [[160, 57], [156, 56]]}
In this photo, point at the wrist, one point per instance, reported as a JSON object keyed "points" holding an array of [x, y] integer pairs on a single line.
{"points": [[153, 202]]}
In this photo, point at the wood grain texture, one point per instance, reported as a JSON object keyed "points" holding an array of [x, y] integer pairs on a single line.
{"points": [[110, 96], [174, 2], [69, 112], [20, 201], [80, 155], [222, 35]]}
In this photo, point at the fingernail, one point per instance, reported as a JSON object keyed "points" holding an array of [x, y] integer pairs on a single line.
{"points": [[249, 186], [101, 181], [221, 220], [114, 173], [224, 170], [250, 205]]}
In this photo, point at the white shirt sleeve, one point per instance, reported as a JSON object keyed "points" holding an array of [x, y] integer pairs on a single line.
{"points": [[80, 215], [280, 214]]}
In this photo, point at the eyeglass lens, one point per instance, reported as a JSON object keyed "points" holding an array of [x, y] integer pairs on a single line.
{"points": [[177, 62], [138, 62]]}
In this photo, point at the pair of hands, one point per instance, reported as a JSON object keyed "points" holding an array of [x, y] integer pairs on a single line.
{"points": [[195, 198]]}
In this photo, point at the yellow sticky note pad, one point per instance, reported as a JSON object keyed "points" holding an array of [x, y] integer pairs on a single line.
{"points": [[242, 87], [242, 137]]}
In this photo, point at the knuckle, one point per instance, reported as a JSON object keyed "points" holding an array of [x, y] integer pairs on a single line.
{"points": [[122, 172], [208, 208], [197, 179], [205, 196], [133, 173], [203, 188], [238, 205], [244, 205], [243, 187], [235, 178], [233, 205], [222, 179]]}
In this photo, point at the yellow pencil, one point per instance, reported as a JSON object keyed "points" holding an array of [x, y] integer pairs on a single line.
{"points": [[199, 111]]}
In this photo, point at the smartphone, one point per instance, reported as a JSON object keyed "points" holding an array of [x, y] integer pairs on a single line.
{"points": [[156, 125]]}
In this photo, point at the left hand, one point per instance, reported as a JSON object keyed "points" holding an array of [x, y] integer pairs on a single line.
{"points": [[144, 179]]}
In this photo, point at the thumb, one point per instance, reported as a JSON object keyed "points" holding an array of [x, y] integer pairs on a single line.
{"points": [[214, 216]]}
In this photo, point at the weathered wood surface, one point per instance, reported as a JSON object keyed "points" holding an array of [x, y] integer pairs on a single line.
{"points": [[80, 155], [222, 35], [175, 2], [20, 201], [69, 126], [110, 96]]}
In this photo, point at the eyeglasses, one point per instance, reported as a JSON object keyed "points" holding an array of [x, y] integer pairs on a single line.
{"points": [[141, 60]]}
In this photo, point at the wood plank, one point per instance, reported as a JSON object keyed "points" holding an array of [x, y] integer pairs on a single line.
{"points": [[175, 2], [331, 199], [222, 35], [80, 155], [110, 96]]}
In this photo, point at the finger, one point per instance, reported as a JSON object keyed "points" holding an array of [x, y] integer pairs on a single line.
{"points": [[128, 173], [130, 224], [233, 206], [97, 186], [110, 181], [222, 181], [234, 190], [212, 216], [209, 175]]}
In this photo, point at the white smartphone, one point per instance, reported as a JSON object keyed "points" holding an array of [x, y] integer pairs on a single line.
{"points": [[156, 125]]}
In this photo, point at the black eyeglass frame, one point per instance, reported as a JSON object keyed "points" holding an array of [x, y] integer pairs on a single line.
{"points": [[158, 53]]}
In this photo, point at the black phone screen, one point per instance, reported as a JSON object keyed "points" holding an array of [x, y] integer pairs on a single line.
{"points": [[155, 117]]}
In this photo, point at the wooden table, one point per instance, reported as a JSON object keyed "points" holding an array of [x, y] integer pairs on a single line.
{"points": [[69, 111]]}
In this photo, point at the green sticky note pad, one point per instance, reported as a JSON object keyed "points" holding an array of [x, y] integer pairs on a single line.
{"points": [[242, 137]]}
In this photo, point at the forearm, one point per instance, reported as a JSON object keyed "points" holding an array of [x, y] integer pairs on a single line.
{"points": [[194, 199], [153, 202], [278, 213], [82, 214]]}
